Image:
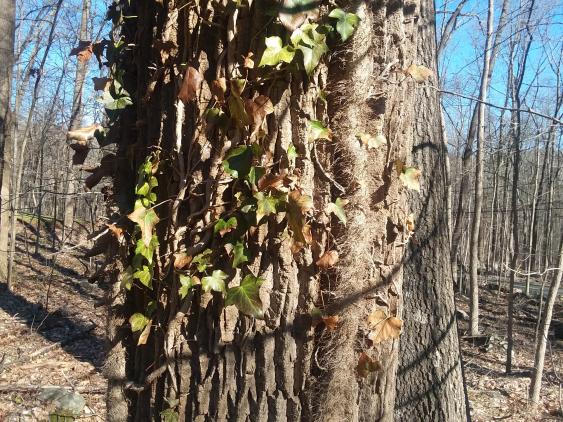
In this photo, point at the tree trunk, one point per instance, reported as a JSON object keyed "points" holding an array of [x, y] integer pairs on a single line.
{"points": [[429, 388], [206, 361], [7, 21], [516, 133], [539, 359], [476, 226], [75, 123], [471, 135], [19, 160]]}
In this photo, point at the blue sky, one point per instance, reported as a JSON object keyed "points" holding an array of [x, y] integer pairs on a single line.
{"points": [[461, 62]]}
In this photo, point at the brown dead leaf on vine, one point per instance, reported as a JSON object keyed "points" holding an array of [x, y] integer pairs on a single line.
{"points": [[83, 134], [83, 52], [181, 260], [115, 230], [218, 89], [249, 61], [292, 15], [145, 334], [409, 222], [101, 84], [383, 327], [331, 321], [190, 85], [418, 72], [257, 109], [297, 208], [366, 365], [329, 259], [279, 182]]}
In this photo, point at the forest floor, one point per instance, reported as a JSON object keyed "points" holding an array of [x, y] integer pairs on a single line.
{"points": [[51, 335], [493, 395], [51, 332]]}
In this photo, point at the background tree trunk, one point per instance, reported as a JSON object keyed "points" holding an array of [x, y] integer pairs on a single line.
{"points": [[7, 22], [539, 359], [478, 205], [75, 123]]}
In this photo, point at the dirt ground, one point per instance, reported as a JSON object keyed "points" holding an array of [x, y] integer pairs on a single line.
{"points": [[493, 395], [51, 332], [61, 343]]}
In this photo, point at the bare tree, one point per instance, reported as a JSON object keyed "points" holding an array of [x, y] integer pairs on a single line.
{"points": [[478, 204], [539, 358], [7, 23]]}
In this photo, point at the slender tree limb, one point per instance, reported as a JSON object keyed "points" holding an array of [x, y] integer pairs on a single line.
{"points": [[529, 110]]}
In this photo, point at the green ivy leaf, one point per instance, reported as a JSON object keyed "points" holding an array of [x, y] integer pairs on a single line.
{"points": [[142, 190], [255, 174], [246, 297], [146, 218], [169, 415], [186, 283], [311, 43], [215, 282], [203, 260], [346, 22], [238, 161], [147, 251], [337, 208], [238, 113], [240, 254], [216, 116], [223, 227], [265, 205], [111, 103], [144, 275], [317, 130], [138, 322], [276, 53]]}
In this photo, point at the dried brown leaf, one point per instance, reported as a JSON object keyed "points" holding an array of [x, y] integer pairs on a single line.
{"points": [[218, 89], [366, 365], [331, 321], [181, 260], [418, 72], [145, 334], [383, 327], [190, 85], [115, 230], [329, 259], [257, 109], [83, 52]]}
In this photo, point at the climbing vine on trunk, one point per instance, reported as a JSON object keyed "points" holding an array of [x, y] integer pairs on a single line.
{"points": [[257, 213]]}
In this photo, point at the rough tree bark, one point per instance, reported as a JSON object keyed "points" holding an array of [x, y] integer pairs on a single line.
{"points": [[209, 362], [430, 378], [7, 23]]}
